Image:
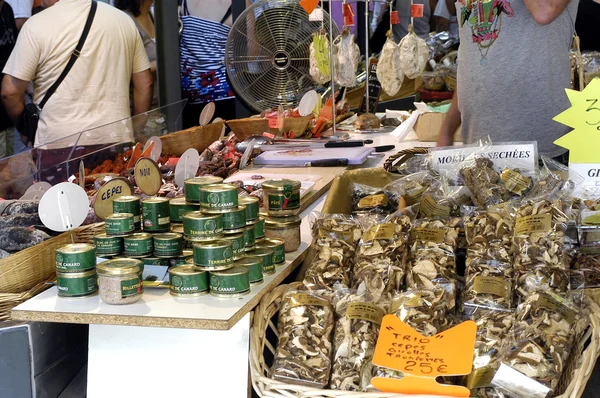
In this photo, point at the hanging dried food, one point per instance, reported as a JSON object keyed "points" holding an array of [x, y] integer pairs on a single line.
{"points": [[345, 55], [414, 54], [305, 328], [389, 72], [320, 68], [484, 182]]}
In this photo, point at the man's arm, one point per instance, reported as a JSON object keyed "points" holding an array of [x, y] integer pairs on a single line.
{"points": [[13, 96], [20, 22], [142, 91], [451, 124], [546, 11]]}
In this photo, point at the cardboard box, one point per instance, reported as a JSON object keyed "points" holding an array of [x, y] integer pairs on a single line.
{"points": [[428, 127]]}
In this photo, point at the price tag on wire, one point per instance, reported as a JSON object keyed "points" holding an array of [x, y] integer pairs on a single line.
{"points": [[316, 15], [416, 10], [309, 5], [348, 15], [394, 18]]}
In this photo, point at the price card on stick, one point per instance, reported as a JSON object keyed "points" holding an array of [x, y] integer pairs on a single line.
{"points": [[187, 167], [421, 359], [36, 191], [153, 148], [147, 176], [103, 203], [64, 207]]}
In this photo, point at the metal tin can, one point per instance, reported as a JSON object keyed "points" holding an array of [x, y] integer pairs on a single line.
{"points": [[198, 226], [249, 238], [120, 281], [282, 197], [129, 204], [259, 229], [252, 207], [138, 245], [77, 257], [168, 245], [182, 260], [287, 229], [187, 281], [119, 224], [234, 282], [77, 284], [177, 228], [156, 214], [266, 255], [108, 245], [213, 256], [193, 185], [234, 219], [218, 197], [238, 245], [254, 265], [178, 207], [155, 261], [278, 247]]}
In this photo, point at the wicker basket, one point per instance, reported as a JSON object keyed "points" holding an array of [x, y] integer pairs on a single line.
{"points": [[10, 300], [86, 233], [244, 128], [395, 161], [196, 137], [578, 370]]}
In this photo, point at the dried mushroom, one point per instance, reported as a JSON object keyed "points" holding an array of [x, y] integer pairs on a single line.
{"points": [[356, 332], [516, 182], [371, 200], [488, 282], [484, 183], [589, 266], [305, 328], [552, 279], [443, 200]]}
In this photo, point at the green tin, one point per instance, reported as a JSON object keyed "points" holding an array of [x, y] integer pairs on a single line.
{"points": [[278, 247], [79, 284], [254, 265], [187, 281], [218, 197], [198, 226], [156, 214], [177, 228], [138, 245], [129, 204], [168, 244], [252, 207], [234, 282], [155, 261], [249, 238], [119, 224], [173, 262], [238, 245], [108, 245], [259, 229], [234, 219], [179, 207], [282, 197], [266, 256], [193, 185], [77, 257], [213, 256]]}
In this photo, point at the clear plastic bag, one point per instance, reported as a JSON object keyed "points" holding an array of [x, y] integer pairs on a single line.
{"points": [[320, 69], [442, 200], [371, 200], [483, 181], [408, 190]]}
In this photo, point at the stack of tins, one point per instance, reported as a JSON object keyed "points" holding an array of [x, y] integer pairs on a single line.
{"points": [[282, 206], [76, 270]]}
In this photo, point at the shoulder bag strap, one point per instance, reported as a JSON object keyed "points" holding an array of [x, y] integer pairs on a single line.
{"points": [[227, 14], [74, 55]]}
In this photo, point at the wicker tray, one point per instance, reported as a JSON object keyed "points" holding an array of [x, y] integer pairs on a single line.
{"points": [[578, 370], [10, 300], [244, 128], [196, 137], [394, 161]]}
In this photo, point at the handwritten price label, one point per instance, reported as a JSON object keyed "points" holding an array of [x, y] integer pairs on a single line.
{"points": [[422, 358], [147, 176]]}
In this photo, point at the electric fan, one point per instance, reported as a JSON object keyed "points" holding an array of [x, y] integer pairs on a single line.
{"points": [[267, 53]]}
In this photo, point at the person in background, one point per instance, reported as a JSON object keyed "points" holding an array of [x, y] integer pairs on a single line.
{"points": [[422, 26], [139, 10], [446, 18], [8, 38], [588, 25], [22, 10]]}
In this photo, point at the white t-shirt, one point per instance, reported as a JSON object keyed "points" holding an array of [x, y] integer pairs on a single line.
{"points": [[96, 90], [441, 10], [21, 8]]}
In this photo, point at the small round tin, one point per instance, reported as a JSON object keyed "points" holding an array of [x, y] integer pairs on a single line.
{"points": [[156, 214], [213, 256], [77, 284], [232, 283], [150, 260], [108, 245], [259, 229], [129, 204], [182, 260], [252, 207], [177, 228], [138, 245], [238, 245], [198, 226], [178, 207], [254, 265], [168, 245], [77, 257], [193, 185], [266, 255], [218, 197], [187, 281], [249, 238], [234, 219], [119, 224], [278, 247], [281, 197]]}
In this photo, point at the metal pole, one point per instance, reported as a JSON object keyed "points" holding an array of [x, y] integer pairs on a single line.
{"points": [[367, 52], [332, 64]]}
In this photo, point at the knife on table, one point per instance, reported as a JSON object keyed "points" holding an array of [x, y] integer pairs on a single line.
{"points": [[315, 163]]}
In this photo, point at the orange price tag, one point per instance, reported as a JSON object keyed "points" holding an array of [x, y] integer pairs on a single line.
{"points": [[348, 15], [273, 123], [309, 5], [421, 359], [416, 10], [395, 18]]}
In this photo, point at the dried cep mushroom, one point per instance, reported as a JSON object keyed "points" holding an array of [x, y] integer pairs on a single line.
{"points": [[589, 265], [356, 332], [552, 279], [484, 183], [305, 328], [516, 181], [488, 282], [370, 200]]}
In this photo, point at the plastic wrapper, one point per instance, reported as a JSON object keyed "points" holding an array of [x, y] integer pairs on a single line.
{"points": [[320, 72], [484, 182], [442, 200], [389, 72], [345, 55], [408, 190], [381, 257], [305, 329], [367, 199], [591, 65], [589, 265], [414, 54], [335, 237], [357, 328]]}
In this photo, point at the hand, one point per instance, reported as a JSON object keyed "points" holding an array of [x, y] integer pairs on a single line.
{"points": [[445, 139]]}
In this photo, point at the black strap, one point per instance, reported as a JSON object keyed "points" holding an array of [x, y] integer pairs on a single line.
{"points": [[74, 55], [227, 14]]}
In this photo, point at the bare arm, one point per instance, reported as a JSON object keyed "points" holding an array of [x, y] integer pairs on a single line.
{"points": [[451, 123], [142, 91], [153, 67], [20, 22], [13, 96], [546, 11]]}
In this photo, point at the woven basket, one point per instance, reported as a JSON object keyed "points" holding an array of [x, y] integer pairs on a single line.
{"points": [[578, 370], [86, 233], [196, 137], [394, 161], [10, 300], [244, 128]]}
